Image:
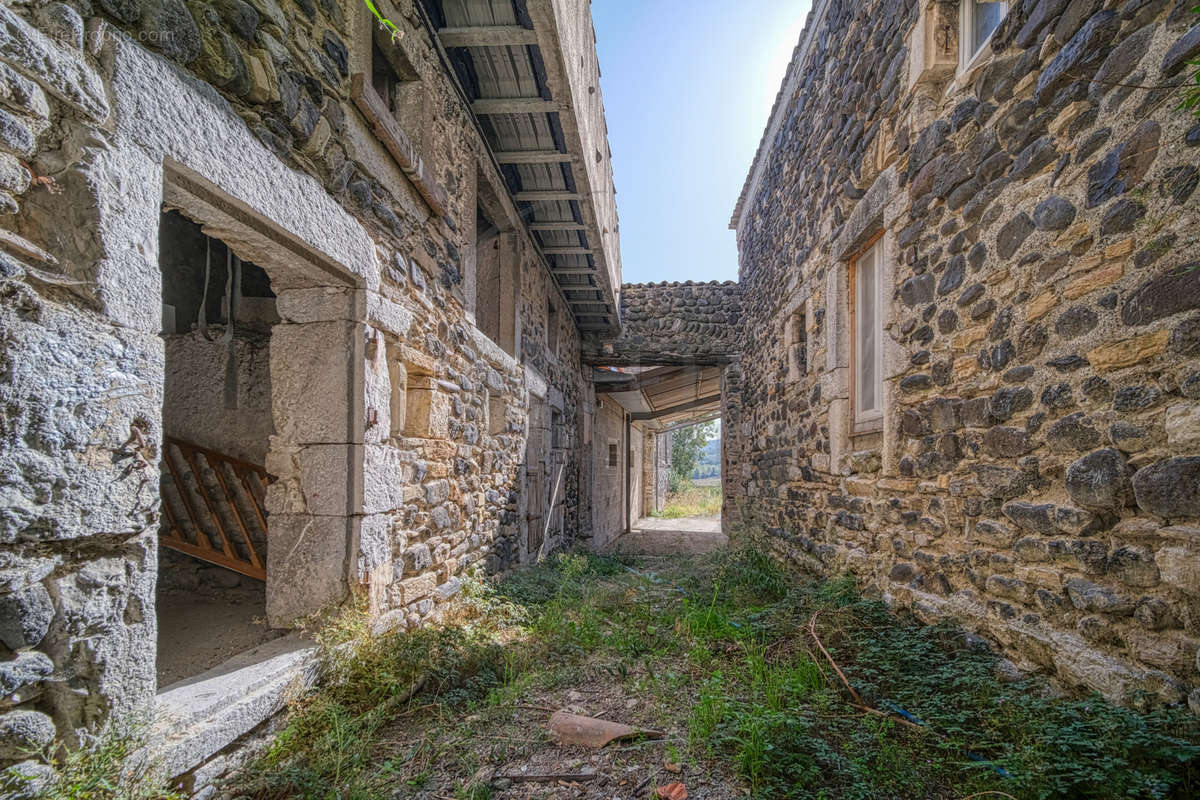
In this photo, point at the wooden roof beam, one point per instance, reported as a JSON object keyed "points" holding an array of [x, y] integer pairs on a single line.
{"points": [[545, 196], [556, 226], [487, 36], [693, 404], [513, 105], [533, 157], [643, 381]]}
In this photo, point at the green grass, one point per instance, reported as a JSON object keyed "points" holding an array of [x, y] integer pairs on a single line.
{"points": [[716, 652], [103, 767], [692, 501]]}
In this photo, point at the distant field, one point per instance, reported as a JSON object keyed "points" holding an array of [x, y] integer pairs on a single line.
{"points": [[715, 481], [698, 500]]}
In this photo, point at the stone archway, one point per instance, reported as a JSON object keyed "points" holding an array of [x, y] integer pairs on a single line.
{"points": [[675, 362]]}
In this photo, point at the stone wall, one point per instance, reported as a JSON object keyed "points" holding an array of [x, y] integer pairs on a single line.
{"points": [[657, 471], [608, 478], [673, 323], [1037, 467], [393, 473]]}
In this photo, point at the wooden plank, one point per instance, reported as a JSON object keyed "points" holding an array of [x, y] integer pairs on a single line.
{"points": [[231, 500], [254, 499], [646, 380], [213, 557], [201, 534], [567, 251], [680, 389], [226, 545], [573, 271], [533, 157], [513, 105], [698, 403], [545, 196], [557, 226], [686, 383], [487, 36], [372, 107]]}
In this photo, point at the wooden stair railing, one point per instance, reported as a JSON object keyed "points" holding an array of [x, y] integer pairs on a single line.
{"points": [[222, 502]]}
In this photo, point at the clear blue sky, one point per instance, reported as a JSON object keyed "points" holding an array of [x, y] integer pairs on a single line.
{"points": [[688, 86]]}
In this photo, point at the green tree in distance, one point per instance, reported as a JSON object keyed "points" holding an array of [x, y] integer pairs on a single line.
{"points": [[686, 446]]}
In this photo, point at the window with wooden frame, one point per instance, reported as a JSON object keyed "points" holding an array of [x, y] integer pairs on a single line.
{"points": [[612, 454], [866, 338], [979, 20]]}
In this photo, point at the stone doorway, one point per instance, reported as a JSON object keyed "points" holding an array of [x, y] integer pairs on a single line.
{"points": [[218, 313], [277, 405], [276, 402]]}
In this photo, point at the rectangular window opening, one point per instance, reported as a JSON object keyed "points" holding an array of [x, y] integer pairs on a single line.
{"points": [[494, 268], [979, 22], [488, 290], [557, 431], [384, 79], [552, 328], [867, 338], [613, 454], [424, 415], [798, 344]]}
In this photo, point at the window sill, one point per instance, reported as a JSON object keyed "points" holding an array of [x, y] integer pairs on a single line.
{"points": [[867, 426]]}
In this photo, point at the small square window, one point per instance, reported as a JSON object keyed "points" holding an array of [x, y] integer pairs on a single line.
{"points": [[979, 22]]}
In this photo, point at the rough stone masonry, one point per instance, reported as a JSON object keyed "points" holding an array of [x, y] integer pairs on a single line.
{"points": [[409, 337], [425, 402], [1035, 471]]}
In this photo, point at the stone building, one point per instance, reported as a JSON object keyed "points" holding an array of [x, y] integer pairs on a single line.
{"points": [[970, 343], [292, 310], [299, 309]]}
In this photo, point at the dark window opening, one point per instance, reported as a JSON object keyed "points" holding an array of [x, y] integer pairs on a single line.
{"points": [[799, 342], [557, 432], [612, 455], [551, 327], [383, 77], [488, 289]]}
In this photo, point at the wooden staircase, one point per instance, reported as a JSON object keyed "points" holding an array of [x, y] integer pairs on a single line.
{"points": [[213, 507]]}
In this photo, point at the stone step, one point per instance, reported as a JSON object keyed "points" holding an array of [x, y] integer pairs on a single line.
{"points": [[198, 717]]}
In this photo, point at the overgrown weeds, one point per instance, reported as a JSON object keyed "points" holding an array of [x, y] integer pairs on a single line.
{"points": [[109, 765], [692, 501], [717, 652]]}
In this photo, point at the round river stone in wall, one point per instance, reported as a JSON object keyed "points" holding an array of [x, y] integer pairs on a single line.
{"points": [[1169, 488], [1099, 480], [1054, 214]]}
